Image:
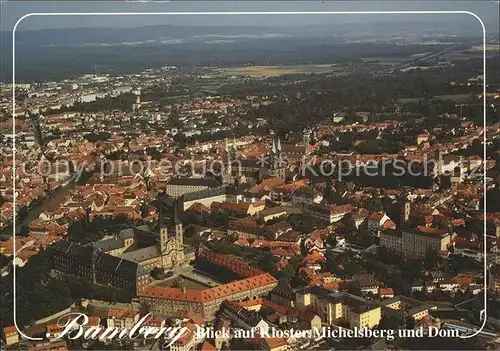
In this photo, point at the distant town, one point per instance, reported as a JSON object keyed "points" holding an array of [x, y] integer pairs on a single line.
{"points": [[347, 196]]}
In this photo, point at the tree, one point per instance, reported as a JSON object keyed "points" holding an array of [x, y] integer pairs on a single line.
{"points": [[267, 262], [178, 283], [411, 270], [181, 140], [388, 256], [410, 323], [392, 322], [348, 224], [4, 260], [375, 204], [303, 248], [431, 258], [158, 273], [332, 240], [295, 262], [354, 289], [241, 344]]}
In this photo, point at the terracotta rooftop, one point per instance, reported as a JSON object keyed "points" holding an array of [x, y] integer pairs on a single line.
{"points": [[206, 346], [200, 296], [10, 330], [273, 343], [121, 313], [436, 232], [237, 266]]}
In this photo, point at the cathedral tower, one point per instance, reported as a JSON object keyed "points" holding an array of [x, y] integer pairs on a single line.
{"points": [[228, 158], [276, 162], [171, 237], [179, 232], [306, 139], [405, 211]]}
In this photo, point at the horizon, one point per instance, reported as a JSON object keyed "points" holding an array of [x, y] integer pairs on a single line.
{"points": [[13, 10]]}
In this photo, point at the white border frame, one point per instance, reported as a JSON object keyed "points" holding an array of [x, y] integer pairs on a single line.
{"points": [[240, 13]]}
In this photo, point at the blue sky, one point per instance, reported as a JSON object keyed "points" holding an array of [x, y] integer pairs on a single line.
{"points": [[488, 10]]}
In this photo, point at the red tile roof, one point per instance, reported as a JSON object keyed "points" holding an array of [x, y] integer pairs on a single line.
{"points": [[121, 313], [273, 343], [10, 330], [237, 266], [208, 346], [215, 293], [386, 291]]}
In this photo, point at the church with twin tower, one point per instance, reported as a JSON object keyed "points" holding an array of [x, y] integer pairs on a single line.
{"points": [[273, 164], [171, 239]]}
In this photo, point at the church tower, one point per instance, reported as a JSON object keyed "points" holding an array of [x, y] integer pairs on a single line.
{"points": [[165, 226], [276, 162], [228, 158], [405, 211], [137, 104], [179, 233], [163, 231], [171, 238], [306, 139]]}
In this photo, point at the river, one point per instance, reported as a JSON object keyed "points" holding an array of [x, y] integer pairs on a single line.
{"points": [[49, 202]]}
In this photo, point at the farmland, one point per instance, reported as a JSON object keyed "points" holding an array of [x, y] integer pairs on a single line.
{"points": [[274, 71]]}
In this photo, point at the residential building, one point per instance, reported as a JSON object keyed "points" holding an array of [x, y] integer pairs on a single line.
{"points": [[177, 187], [10, 334], [274, 344], [329, 213], [417, 241], [90, 264], [407, 307], [391, 239], [165, 302], [340, 307], [306, 196], [121, 318], [375, 221], [187, 342], [245, 318], [204, 197], [422, 239]]}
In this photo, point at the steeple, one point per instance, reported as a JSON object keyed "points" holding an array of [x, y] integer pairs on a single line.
{"points": [[273, 149], [405, 211], [306, 137], [179, 232], [163, 226], [176, 216], [233, 150], [279, 145], [170, 225], [230, 156]]}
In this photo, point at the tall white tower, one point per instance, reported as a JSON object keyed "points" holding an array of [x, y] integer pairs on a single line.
{"points": [[306, 139]]}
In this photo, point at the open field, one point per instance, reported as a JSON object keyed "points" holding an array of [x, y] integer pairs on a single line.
{"points": [[453, 97], [489, 47], [274, 71], [384, 61]]}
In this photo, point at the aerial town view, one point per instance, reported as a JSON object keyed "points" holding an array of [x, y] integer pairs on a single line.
{"points": [[260, 182]]}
